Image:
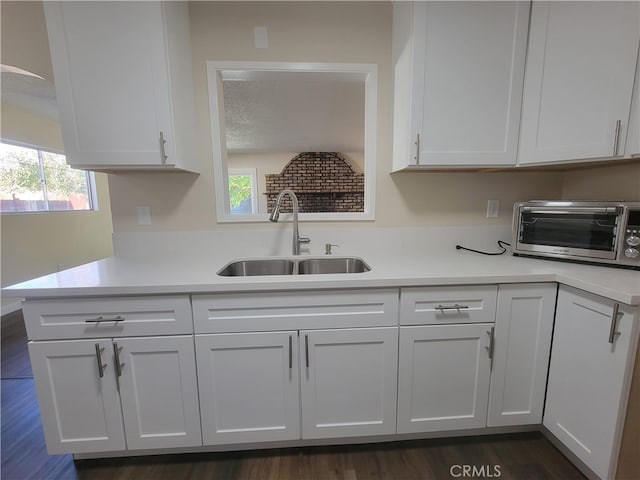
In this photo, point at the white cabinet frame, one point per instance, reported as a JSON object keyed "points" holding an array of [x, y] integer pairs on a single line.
{"points": [[523, 329]]}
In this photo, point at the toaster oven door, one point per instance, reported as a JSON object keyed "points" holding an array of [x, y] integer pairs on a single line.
{"points": [[579, 232]]}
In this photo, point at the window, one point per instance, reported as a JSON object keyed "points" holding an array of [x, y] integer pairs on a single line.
{"points": [[243, 191], [34, 180]]}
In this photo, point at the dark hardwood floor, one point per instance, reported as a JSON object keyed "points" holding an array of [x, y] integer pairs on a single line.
{"points": [[24, 456]]}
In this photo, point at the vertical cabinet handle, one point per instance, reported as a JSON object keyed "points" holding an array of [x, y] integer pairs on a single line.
{"points": [[614, 323], [417, 144], [491, 342], [116, 357], [101, 366], [616, 137], [163, 155], [290, 352], [306, 350]]}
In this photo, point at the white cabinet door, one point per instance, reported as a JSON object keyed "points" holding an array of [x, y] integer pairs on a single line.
{"points": [[459, 69], [633, 137], [579, 77], [443, 377], [159, 391], [589, 376], [524, 324], [249, 387], [79, 402], [112, 77], [348, 382]]}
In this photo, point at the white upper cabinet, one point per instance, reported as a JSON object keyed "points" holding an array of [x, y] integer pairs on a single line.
{"points": [[633, 137], [124, 83], [458, 75], [580, 70]]}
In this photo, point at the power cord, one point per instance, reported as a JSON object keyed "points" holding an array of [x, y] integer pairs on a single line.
{"points": [[501, 245]]}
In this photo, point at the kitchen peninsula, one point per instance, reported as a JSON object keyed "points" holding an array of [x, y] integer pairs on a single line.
{"points": [[425, 322]]}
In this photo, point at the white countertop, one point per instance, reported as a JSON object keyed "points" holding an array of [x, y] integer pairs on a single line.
{"points": [[404, 263]]}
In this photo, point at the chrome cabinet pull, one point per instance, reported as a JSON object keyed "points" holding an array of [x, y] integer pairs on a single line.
{"points": [[101, 367], [614, 323], [306, 349], [290, 352], [491, 346], [119, 318], [116, 357], [457, 307], [163, 154], [417, 144], [616, 137]]}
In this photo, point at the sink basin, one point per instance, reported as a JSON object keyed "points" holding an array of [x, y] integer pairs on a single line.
{"points": [[246, 268], [332, 265], [303, 266]]}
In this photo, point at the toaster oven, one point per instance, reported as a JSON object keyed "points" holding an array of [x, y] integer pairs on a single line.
{"points": [[591, 232]]}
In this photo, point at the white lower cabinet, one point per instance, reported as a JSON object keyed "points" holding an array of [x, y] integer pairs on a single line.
{"points": [[158, 389], [256, 386], [90, 404], [594, 344], [79, 408], [348, 382], [480, 358], [443, 377], [522, 341], [249, 387], [285, 366]]}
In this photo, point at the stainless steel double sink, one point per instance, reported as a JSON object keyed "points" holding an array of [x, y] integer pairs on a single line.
{"points": [[289, 266]]}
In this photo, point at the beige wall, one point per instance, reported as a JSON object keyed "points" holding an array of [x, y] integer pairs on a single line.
{"points": [[621, 182], [35, 244], [350, 32]]}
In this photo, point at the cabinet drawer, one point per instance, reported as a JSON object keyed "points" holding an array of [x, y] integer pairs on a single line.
{"points": [[107, 317], [264, 311], [443, 305]]}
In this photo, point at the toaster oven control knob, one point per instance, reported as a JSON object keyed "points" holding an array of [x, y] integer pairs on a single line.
{"points": [[632, 253], [633, 240]]}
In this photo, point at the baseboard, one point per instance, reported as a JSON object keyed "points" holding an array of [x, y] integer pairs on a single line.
{"points": [[579, 464], [312, 443]]}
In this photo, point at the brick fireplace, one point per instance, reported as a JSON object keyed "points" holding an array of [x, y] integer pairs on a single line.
{"points": [[322, 181]]}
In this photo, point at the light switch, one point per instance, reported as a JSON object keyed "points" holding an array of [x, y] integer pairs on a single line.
{"points": [[144, 215]]}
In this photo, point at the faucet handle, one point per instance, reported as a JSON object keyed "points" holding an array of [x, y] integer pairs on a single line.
{"points": [[327, 248], [304, 240]]}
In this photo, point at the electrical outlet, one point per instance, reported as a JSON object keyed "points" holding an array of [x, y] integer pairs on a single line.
{"points": [[493, 208], [144, 215], [260, 37]]}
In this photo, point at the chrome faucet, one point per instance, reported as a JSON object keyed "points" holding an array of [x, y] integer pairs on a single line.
{"points": [[297, 239]]}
